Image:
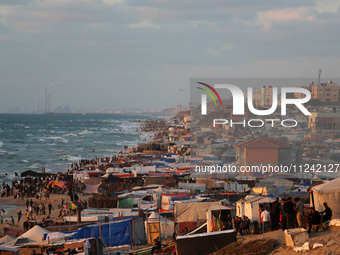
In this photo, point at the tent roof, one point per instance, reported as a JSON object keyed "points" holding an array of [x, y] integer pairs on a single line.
{"points": [[36, 233], [192, 211], [155, 217], [259, 200], [220, 207], [328, 187], [6, 239]]}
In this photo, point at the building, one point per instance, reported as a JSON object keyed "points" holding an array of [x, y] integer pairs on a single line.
{"points": [[262, 97], [262, 151], [325, 92], [324, 121]]}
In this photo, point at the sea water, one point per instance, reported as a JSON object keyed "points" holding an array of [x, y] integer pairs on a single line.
{"points": [[54, 141]]}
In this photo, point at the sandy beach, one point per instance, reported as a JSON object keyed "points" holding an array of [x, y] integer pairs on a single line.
{"points": [[13, 206]]}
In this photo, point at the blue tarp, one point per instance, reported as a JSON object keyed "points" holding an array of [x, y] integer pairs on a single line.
{"points": [[158, 164], [114, 234]]}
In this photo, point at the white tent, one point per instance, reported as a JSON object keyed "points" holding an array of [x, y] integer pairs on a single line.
{"points": [[328, 192], [166, 226], [92, 185], [251, 207], [36, 233], [6, 239], [192, 212]]}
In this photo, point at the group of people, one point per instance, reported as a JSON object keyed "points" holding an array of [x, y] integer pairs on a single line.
{"points": [[283, 215], [287, 215]]}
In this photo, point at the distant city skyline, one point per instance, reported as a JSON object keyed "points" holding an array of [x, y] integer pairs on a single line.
{"points": [[128, 54]]}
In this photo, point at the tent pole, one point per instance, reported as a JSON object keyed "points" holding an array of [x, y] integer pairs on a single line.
{"points": [[166, 229]]}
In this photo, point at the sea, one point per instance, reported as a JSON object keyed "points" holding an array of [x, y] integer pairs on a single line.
{"points": [[54, 141]]}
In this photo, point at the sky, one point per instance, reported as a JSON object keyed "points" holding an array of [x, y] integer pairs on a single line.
{"points": [[127, 54]]}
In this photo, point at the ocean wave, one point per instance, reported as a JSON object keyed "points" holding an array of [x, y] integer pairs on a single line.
{"points": [[72, 157], [35, 165], [57, 139], [127, 143], [70, 134], [24, 161], [85, 132]]}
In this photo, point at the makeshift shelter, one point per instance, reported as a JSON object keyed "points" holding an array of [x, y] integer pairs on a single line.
{"points": [[251, 206], [328, 192], [214, 216], [35, 234], [125, 232], [191, 215], [186, 212], [157, 225], [92, 185], [266, 190], [6, 239]]}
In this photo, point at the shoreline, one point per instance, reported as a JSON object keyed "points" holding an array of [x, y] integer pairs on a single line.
{"points": [[13, 206]]}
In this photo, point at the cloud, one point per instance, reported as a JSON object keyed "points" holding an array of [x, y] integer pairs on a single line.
{"points": [[144, 24], [267, 19]]}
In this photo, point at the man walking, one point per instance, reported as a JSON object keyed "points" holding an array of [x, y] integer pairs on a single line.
{"points": [[289, 209], [299, 211], [19, 216], [265, 215]]}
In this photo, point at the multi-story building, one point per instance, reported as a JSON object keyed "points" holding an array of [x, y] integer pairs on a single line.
{"points": [[263, 151], [325, 92]]}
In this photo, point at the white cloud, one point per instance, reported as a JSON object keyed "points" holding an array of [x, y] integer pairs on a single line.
{"points": [[144, 24]]}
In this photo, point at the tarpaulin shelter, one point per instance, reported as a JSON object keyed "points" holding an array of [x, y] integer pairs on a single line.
{"points": [[192, 212], [36, 233], [156, 225], [125, 232], [92, 185], [328, 192], [6, 239], [251, 206]]}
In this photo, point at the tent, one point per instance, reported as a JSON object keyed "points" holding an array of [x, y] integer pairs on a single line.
{"points": [[35, 234], [251, 206], [192, 212], [92, 185], [6, 239], [328, 192], [157, 225]]}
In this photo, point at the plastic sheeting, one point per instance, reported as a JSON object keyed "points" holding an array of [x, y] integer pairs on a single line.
{"points": [[114, 234], [80, 175], [192, 211], [92, 185], [251, 206], [167, 226], [328, 192], [36, 233], [88, 218]]}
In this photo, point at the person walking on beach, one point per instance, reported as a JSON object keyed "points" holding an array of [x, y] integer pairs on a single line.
{"points": [[27, 214], [27, 203], [19, 216], [50, 207], [12, 219], [43, 209]]}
